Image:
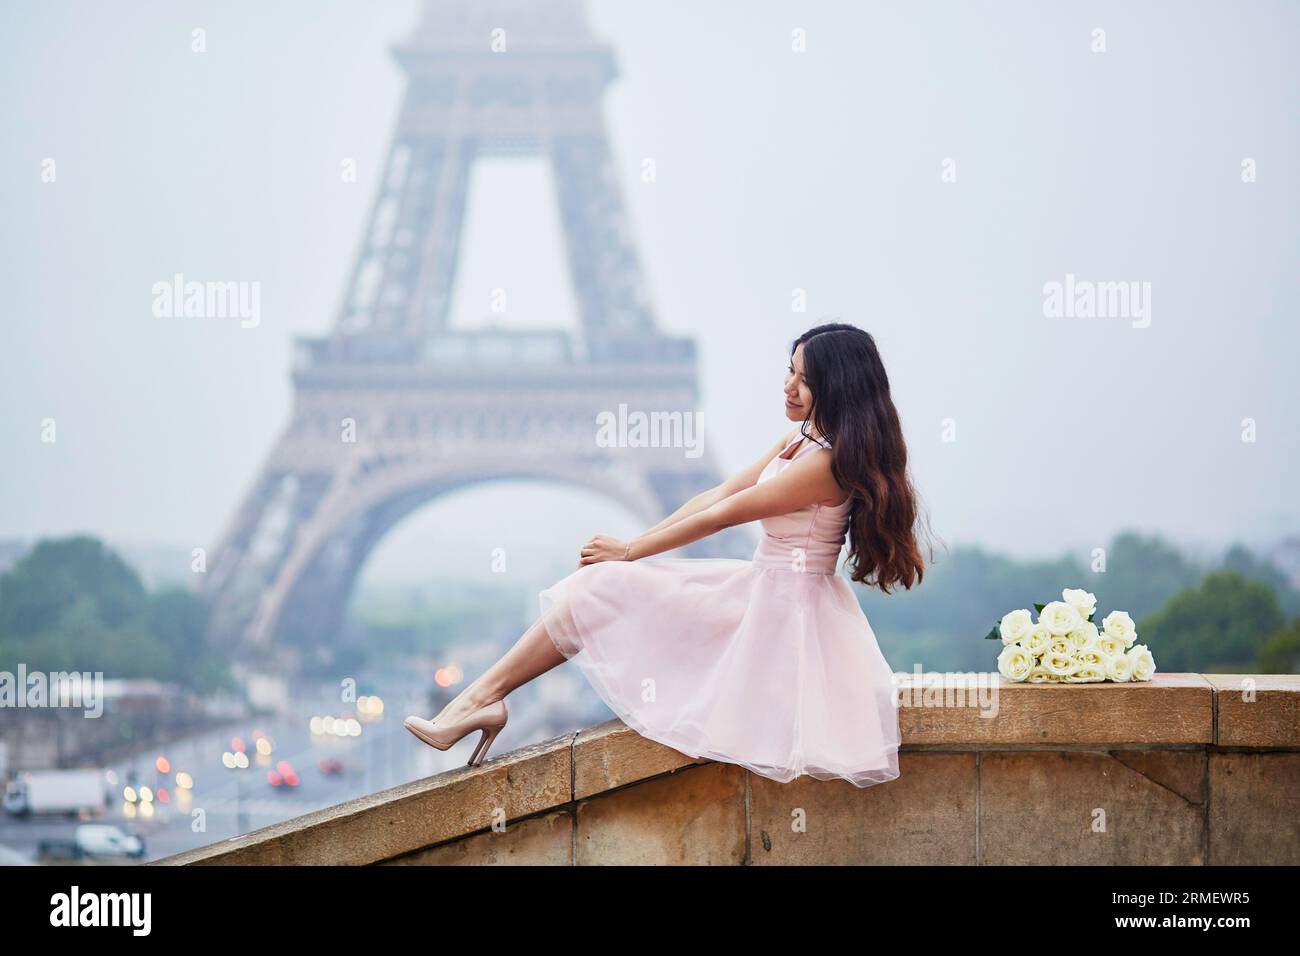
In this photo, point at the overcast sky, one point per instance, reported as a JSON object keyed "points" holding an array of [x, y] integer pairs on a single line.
{"points": [[821, 170]]}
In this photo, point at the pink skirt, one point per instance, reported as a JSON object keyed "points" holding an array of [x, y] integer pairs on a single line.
{"points": [[773, 669]]}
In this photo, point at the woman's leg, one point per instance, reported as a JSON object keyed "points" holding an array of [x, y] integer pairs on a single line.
{"points": [[533, 654]]}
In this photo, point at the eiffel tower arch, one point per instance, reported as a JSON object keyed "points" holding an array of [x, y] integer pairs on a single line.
{"points": [[393, 408]]}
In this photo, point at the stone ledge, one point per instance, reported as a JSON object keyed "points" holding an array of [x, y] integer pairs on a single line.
{"points": [[1256, 710], [1151, 752], [1169, 709], [408, 817]]}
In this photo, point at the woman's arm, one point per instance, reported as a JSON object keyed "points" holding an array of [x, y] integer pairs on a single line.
{"points": [[805, 482], [737, 482]]}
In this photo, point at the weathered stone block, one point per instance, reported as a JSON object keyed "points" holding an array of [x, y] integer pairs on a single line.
{"points": [[1255, 809], [1097, 809], [1257, 710], [925, 817], [693, 816], [538, 841], [611, 755]]}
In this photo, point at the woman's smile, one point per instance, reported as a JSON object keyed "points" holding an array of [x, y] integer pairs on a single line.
{"points": [[796, 386]]}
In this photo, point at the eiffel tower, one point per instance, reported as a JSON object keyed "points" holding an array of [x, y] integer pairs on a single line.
{"points": [[428, 408]]}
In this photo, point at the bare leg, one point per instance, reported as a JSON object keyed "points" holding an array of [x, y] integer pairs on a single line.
{"points": [[533, 654]]}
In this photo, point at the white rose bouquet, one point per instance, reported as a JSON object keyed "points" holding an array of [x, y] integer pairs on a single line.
{"points": [[1065, 646]]}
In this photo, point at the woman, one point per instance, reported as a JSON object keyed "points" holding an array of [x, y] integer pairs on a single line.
{"points": [[769, 663]]}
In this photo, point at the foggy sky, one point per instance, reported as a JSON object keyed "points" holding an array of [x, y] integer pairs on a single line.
{"points": [[775, 171]]}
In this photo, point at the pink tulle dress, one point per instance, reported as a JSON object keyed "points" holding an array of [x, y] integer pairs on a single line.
{"points": [[767, 663]]}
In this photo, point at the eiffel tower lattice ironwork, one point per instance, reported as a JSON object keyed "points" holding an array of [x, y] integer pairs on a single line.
{"points": [[435, 408]]}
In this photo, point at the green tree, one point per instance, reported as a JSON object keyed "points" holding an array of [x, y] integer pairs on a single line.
{"points": [[73, 604], [180, 620], [1248, 566], [962, 595], [1280, 654], [1142, 573], [1220, 625], [37, 591]]}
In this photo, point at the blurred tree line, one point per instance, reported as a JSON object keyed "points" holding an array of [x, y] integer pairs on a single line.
{"points": [[1238, 616], [71, 604]]}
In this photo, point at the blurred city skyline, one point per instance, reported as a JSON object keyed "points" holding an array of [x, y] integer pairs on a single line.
{"points": [[922, 178]]}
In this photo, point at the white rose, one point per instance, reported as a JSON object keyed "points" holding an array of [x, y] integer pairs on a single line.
{"points": [[1059, 618], [1119, 668], [1060, 646], [1091, 655], [1144, 665], [1119, 624], [1039, 675], [1061, 665], [1037, 640], [1015, 663], [1111, 646], [1015, 625], [1082, 601], [1083, 636], [1087, 674]]}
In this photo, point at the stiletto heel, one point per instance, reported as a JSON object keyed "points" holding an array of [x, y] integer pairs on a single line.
{"points": [[489, 719], [484, 742]]}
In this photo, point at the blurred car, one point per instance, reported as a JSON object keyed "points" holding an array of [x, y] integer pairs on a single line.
{"points": [[100, 841], [283, 776]]}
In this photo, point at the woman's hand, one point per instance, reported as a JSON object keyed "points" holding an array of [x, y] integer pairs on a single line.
{"points": [[603, 547]]}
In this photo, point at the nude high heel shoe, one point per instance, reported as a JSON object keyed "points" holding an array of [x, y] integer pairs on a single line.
{"points": [[489, 719]]}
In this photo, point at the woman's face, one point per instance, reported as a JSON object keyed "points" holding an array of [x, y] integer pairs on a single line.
{"points": [[798, 397]]}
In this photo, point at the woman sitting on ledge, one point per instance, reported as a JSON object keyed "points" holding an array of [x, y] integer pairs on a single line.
{"points": [[768, 663]]}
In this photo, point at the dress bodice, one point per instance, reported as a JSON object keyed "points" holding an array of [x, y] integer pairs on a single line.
{"points": [[808, 539]]}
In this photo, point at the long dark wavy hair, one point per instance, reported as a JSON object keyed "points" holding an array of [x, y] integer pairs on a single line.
{"points": [[853, 410]]}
